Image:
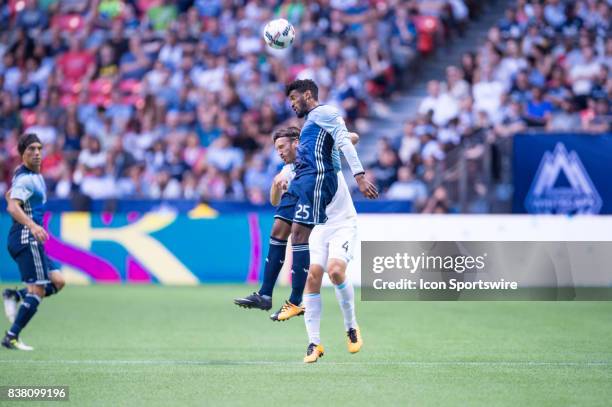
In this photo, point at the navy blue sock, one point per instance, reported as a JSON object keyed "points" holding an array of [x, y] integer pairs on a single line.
{"points": [[50, 289], [274, 263], [24, 315], [299, 272], [22, 293]]}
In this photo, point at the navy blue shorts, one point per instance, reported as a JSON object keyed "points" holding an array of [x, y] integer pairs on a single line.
{"points": [[52, 265], [307, 198], [33, 263]]}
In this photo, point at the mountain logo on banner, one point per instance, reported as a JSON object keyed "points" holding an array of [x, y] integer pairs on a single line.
{"points": [[562, 186]]}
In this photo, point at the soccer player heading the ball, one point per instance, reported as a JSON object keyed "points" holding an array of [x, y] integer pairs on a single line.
{"points": [[303, 205], [331, 248]]}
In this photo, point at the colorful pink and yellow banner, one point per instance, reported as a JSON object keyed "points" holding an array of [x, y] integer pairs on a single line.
{"points": [[154, 247]]}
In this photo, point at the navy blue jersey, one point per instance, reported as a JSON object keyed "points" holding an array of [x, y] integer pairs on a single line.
{"points": [[317, 152], [29, 188], [316, 166]]}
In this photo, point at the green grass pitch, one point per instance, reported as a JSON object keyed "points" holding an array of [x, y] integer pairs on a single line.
{"points": [[188, 346]]}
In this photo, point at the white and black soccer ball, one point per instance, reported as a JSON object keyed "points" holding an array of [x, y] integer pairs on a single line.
{"points": [[279, 33]]}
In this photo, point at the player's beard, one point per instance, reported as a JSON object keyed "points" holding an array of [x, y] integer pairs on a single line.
{"points": [[302, 110]]}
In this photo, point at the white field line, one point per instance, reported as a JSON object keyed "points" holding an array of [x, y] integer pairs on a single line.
{"points": [[111, 362]]}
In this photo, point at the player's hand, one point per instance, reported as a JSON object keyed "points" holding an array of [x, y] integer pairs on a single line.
{"points": [[366, 187], [39, 233], [280, 183]]}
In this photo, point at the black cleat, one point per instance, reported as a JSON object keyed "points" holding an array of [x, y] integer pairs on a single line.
{"points": [[10, 293], [9, 341], [254, 301]]}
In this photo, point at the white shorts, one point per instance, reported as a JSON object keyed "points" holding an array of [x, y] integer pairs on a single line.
{"points": [[332, 242]]}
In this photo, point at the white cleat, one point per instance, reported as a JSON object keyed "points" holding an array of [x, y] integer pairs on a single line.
{"points": [[22, 346], [10, 306], [10, 342]]}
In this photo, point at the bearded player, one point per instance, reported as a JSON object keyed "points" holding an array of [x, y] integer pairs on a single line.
{"points": [[331, 248], [303, 205]]}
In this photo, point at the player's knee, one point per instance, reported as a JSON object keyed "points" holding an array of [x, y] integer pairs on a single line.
{"points": [[337, 277], [280, 230], [38, 290], [314, 279], [58, 281], [313, 283], [300, 234], [337, 272]]}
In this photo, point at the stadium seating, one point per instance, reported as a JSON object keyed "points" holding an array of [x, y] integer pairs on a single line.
{"points": [[144, 77], [545, 66]]}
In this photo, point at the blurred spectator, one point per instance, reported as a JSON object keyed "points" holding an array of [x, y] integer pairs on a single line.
{"points": [[32, 18], [165, 186], [162, 15], [443, 106], [28, 92], [385, 168], [408, 188], [97, 184], [222, 156], [538, 110], [76, 64], [457, 86], [438, 203], [600, 119], [564, 119], [410, 143], [46, 133]]}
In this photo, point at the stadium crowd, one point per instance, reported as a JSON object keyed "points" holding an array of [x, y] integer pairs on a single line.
{"points": [[546, 65], [178, 99]]}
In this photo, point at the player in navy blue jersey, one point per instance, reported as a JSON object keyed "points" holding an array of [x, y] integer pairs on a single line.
{"points": [[26, 201], [303, 205]]}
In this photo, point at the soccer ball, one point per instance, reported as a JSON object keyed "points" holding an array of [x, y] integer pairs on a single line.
{"points": [[279, 33]]}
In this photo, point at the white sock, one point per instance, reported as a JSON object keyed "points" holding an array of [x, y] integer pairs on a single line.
{"points": [[312, 317], [346, 299]]}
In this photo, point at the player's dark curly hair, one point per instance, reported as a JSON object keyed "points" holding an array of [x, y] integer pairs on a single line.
{"points": [[302, 85], [291, 132], [25, 141]]}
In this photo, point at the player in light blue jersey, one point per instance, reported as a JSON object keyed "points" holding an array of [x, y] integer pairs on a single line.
{"points": [[303, 205], [26, 200]]}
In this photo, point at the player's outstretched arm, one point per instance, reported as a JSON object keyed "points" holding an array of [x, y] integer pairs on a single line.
{"points": [[329, 119], [366, 187], [14, 209], [348, 149]]}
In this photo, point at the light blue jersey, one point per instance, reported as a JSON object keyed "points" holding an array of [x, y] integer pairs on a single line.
{"points": [[29, 188]]}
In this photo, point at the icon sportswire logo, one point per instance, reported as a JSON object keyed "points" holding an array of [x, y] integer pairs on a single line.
{"points": [[547, 195]]}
